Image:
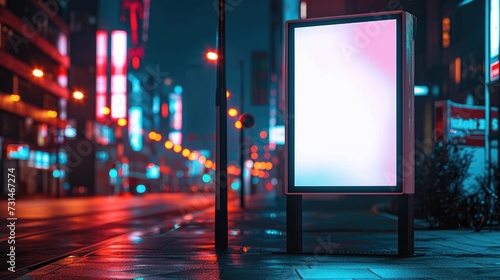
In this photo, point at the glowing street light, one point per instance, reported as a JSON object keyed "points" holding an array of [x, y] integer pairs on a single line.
{"points": [[51, 114], [212, 56], [177, 148], [37, 73], [15, 97], [238, 125], [169, 144], [152, 135], [78, 95], [106, 111], [122, 122], [232, 112]]}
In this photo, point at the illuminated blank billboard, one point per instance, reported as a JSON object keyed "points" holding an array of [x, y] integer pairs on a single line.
{"points": [[494, 39], [347, 81]]}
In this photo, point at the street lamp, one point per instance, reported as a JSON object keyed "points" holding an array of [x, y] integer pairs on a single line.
{"points": [[78, 95], [244, 121], [37, 73]]}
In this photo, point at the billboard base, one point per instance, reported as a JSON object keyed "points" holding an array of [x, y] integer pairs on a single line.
{"points": [[406, 229]]}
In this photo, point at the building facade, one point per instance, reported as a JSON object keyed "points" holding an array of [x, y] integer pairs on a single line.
{"points": [[34, 64]]}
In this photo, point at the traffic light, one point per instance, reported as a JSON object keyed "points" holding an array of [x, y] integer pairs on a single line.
{"points": [[247, 120]]}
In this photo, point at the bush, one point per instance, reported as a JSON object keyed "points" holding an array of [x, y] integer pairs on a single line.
{"points": [[439, 195]]}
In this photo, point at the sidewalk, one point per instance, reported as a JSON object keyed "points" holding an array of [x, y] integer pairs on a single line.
{"points": [[364, 243]]}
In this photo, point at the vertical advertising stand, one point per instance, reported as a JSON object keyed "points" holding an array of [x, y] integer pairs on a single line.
{"points": [[349, 113]]}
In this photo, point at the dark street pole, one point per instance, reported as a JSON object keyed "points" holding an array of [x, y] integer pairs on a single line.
{"points": [[221, 227], [242, 138], [58, 146]]}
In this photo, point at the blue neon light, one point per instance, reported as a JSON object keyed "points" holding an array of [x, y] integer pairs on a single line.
{"points": [[153, 172], [113, 173], [255, 180], [140, 188], [465, 2], [205, 178], [235, 185], [421, 90], [178, 89], [56, 173], [135, 128]]}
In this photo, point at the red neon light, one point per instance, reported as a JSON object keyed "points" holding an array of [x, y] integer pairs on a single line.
{"points": [[101, 76], [495, 73], [136, 62], [133, 22], [164, 110], [118, 74]]}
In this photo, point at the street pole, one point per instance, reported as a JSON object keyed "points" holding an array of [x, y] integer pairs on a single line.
{"points": [[487, 102], [58, 179], [221, 226], [242, 138]]}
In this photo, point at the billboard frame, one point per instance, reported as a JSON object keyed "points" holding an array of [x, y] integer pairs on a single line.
{"points": [[404, 111]]}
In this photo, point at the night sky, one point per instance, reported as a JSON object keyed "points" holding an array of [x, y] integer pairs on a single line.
{"points": [[181, 32]]}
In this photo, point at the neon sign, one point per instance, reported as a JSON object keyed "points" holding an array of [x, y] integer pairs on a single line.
{"points": [[118, 74], [101, 76], [135, 128]]}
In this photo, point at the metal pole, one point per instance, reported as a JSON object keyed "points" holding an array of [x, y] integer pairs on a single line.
{"points": [[294, 224], [406, 242], [242, 138], [221, 226], [487, 103], [58, 179]]}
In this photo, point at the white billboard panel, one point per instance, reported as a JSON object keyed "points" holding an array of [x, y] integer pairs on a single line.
{"points": [[347, 81]]}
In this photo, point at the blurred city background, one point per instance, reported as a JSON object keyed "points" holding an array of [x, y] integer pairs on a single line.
{"points": [[117, 97], [107, 113]]}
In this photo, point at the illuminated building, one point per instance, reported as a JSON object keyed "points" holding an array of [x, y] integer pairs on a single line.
{"points": [[34, 64], [109, 40]]}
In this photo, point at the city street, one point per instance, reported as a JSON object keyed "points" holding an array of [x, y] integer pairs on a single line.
{"points": [[50, 229], [344, 238], [231, 139]]}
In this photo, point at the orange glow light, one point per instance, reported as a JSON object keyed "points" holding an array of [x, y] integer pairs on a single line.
{"points": [[37, 73], [186, 152], [152, 135], [232, 112], [193, 156], [78, 95], [212, 56], [208, 164], [169, 144], [122, 122], [15, 97], [177, 148], [158, 137], [256, 165], [106, 110], [51, 114], [202, 159], [238, 125], [228, 94], [254, 156], [269, 165]]}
